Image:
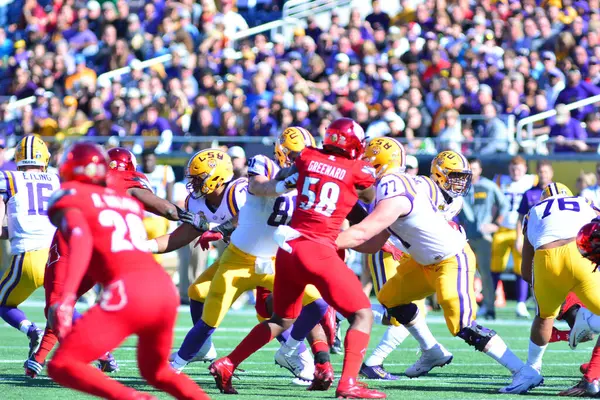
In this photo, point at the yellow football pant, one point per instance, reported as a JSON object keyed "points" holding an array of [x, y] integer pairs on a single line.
{"points": [[25, 275], [503, 244], [451, 279], [383, 266], [561, 270], [232, 275], [155, 227]]}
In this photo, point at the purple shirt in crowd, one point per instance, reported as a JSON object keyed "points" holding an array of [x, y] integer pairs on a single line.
{"points": [[571, 130]]}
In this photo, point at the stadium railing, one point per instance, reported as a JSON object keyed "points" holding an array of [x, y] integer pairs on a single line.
{"points": [[532, 144]]}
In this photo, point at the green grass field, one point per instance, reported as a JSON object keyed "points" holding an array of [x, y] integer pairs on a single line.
{"points": [[471, 375]]}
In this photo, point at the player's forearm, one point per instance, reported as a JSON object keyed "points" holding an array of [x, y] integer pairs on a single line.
{"points": [[155, 204], [182, 236], [263, 187], [79, 238], [374, 244], [352, 237]]}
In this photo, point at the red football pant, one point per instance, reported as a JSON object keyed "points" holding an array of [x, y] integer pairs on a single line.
{"points": [[143, 303], [313, 263], [261, 302]]}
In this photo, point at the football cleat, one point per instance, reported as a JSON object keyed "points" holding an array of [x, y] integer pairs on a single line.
{"points": [[300, 365], [437, 356], [376, 372], [581, 328], [35, 335], [301, 382], [559, 336], [223, 370], [207, 353], [107, 364], [524, 380], [357, 390], [323, 377], [33, 368], [582, 389], [522, 311]]}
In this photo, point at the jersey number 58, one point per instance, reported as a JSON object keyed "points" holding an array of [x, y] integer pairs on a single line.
{"points": [[328, 195]]}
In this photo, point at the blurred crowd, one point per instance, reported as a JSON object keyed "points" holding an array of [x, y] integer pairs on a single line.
{"points": [[440, 74]]}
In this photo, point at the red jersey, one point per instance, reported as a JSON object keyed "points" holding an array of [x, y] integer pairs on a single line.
{"points": [[327, 192], [121, 181], [117, 230]]}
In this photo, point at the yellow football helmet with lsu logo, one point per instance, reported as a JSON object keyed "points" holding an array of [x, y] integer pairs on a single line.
{"points": [[386, 155], [452, 173], [292, 140], [556, 189], [207, 171], [32, 152]]}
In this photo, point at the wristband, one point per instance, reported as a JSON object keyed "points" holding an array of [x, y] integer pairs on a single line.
{"points": [[152, 246]]}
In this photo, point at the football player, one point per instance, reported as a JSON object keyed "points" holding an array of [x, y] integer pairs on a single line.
{"points": [[513, 185], [122, 177], [550, 229], [327, 181], [445, 167], [26, 193], [441, 262], [105, 237]]}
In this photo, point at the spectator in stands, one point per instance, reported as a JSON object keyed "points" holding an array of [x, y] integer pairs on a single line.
{"points": [[263, 124], [567, 133], [494, 136], [412, 165], [450, 138], [576, 90], [585, 180], [153, 126], [592, 127], [238, 159]]}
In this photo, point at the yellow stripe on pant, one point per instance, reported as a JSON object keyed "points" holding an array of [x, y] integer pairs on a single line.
{"points": [[235, 275], [25, 275], [451, 279], [383, 267], [504, 244]]}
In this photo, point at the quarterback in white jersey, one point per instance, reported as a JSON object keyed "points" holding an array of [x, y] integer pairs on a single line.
{"points": [[550, 230], [26, 193], [504, 243], [441, 262]]}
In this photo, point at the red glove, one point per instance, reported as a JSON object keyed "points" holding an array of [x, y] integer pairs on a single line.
{"points": [[396, 254], [207, 237], [61, 316]]}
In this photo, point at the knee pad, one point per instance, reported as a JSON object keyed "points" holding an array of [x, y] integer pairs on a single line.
{"points": [[404, 313], [476, 335]]}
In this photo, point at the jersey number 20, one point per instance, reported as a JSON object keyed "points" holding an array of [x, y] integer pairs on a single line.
{"points": [[328, 196], [131, 224]]}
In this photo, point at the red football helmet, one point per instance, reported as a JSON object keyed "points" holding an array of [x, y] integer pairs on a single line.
{"points": [[121, 159], [346, 135], [84, 162], [588, 243]]}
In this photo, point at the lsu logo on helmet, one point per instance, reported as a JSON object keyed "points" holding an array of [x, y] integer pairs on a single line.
{"points": [[207, 171], [386, 155], [292, 140]]}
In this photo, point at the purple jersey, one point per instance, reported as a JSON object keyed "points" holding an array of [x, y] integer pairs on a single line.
{"points": [[530, 198]]}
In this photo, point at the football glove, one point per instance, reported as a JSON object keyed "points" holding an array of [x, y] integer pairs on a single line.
{"points": [[207, 237], [198, 221], [396, 253], [287, 184], [61, 316]]}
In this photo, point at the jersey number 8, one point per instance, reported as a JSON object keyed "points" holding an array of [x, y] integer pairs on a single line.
{"points": [[131, 224], [328, 194]]}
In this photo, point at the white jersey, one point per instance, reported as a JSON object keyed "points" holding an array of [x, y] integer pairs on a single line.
{"points": [[261, 216], [592, 193], [448, 209], [424, 233], [557, 218], [26, 195], [159, 179], [233, 199], [514, 193]]}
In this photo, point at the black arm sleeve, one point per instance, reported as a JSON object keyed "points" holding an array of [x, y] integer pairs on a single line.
{"points": [[357, 214], [285, 172], [226, 228]]}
